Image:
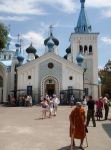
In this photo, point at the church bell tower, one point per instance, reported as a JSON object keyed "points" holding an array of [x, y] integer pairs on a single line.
{"points": [[84, 41]]}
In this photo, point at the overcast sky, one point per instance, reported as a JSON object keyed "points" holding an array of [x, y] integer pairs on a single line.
{"points": [[32, 18]]}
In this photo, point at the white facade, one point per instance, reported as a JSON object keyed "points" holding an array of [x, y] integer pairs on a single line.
{"points": [[6, 81], [44, 78], [51, 73], [88, 41]]}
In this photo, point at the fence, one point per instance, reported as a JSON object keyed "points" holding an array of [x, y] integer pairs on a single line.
{"points": [[65, 96]]}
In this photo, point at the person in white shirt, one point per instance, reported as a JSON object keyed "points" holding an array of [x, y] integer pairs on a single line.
{"points": [[51, 108], [84, 101], [30, 100], [55, 102]]}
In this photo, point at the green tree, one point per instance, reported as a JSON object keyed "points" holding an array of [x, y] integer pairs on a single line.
{"points": [[105, 76], [3, 36]]}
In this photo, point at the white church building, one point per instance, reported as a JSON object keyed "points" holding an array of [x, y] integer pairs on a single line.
{"points": [[76, 72]]}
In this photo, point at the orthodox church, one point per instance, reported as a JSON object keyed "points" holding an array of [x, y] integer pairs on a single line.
{"points": [[76, 72]]}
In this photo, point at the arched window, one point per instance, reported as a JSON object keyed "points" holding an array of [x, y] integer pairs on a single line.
{"points": [[81, 48], [84, 27], [9, 56], [85, 48], [4, 56], [90, 49]]}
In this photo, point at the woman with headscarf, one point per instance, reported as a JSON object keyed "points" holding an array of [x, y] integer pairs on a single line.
{"points": [[77, 125]]}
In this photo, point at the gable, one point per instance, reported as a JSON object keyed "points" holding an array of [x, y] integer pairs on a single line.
{"points": [[51, 58]]}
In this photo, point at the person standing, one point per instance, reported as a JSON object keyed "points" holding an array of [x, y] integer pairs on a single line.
{"points": [[77, 125], [51, 104], [91, 111], [84, 101], [99, 108], [72, 100], [106, 106], [56, 103], [45, 107], [30, 100]]}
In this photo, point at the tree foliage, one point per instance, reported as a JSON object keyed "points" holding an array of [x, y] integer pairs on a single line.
{"points": [[3, 36], [105, 81]]}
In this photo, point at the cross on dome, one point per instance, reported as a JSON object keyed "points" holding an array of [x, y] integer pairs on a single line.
{"points": [[51, 29]]}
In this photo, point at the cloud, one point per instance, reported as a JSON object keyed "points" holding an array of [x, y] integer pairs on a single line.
{"points": [[98, 3], [100, 67], [35, 7], [59, 25], [106, 40], [14, 18], [37, 39], [106, 13], [68, 6], [28, 7], [103, 5]]}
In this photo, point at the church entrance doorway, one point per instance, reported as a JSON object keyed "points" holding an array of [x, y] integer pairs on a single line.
{"points": [[50, 89], [50, 86]]}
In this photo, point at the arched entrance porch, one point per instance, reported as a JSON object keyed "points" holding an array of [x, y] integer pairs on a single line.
{"points": [[50, 86]]}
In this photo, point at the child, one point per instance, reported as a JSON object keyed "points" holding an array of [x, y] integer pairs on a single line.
{"points": [[45, 106]]}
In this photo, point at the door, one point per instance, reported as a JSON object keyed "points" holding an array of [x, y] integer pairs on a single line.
{"points": [[50, 89]]}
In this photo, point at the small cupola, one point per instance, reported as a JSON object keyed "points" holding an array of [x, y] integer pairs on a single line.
{"points": [[18, 46], [80, 59], [68, 50], [56, 41], [51, 43], [20, 59], [31, 49]]}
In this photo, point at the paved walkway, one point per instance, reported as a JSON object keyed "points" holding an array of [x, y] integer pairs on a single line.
{"points": [[23, 129]]}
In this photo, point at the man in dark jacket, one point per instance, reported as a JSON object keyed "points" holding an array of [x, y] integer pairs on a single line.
{"points": [[91, 112]]}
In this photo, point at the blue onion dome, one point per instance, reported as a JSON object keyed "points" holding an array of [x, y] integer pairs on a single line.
{"points": [[50, 43], [56, 41], [68, 50], [31, 49], [80, 59], [20, 59], [17, 45], [82, 1], [65, 56]]}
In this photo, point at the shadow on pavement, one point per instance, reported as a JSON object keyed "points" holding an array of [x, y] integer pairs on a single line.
{"points": [[107, 128], [69, 147]]}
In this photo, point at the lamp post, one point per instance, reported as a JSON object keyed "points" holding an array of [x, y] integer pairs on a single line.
{"points": [[84, 70]]}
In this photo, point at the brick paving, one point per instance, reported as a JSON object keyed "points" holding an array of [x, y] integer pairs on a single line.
{"points": [[23, 129]]}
